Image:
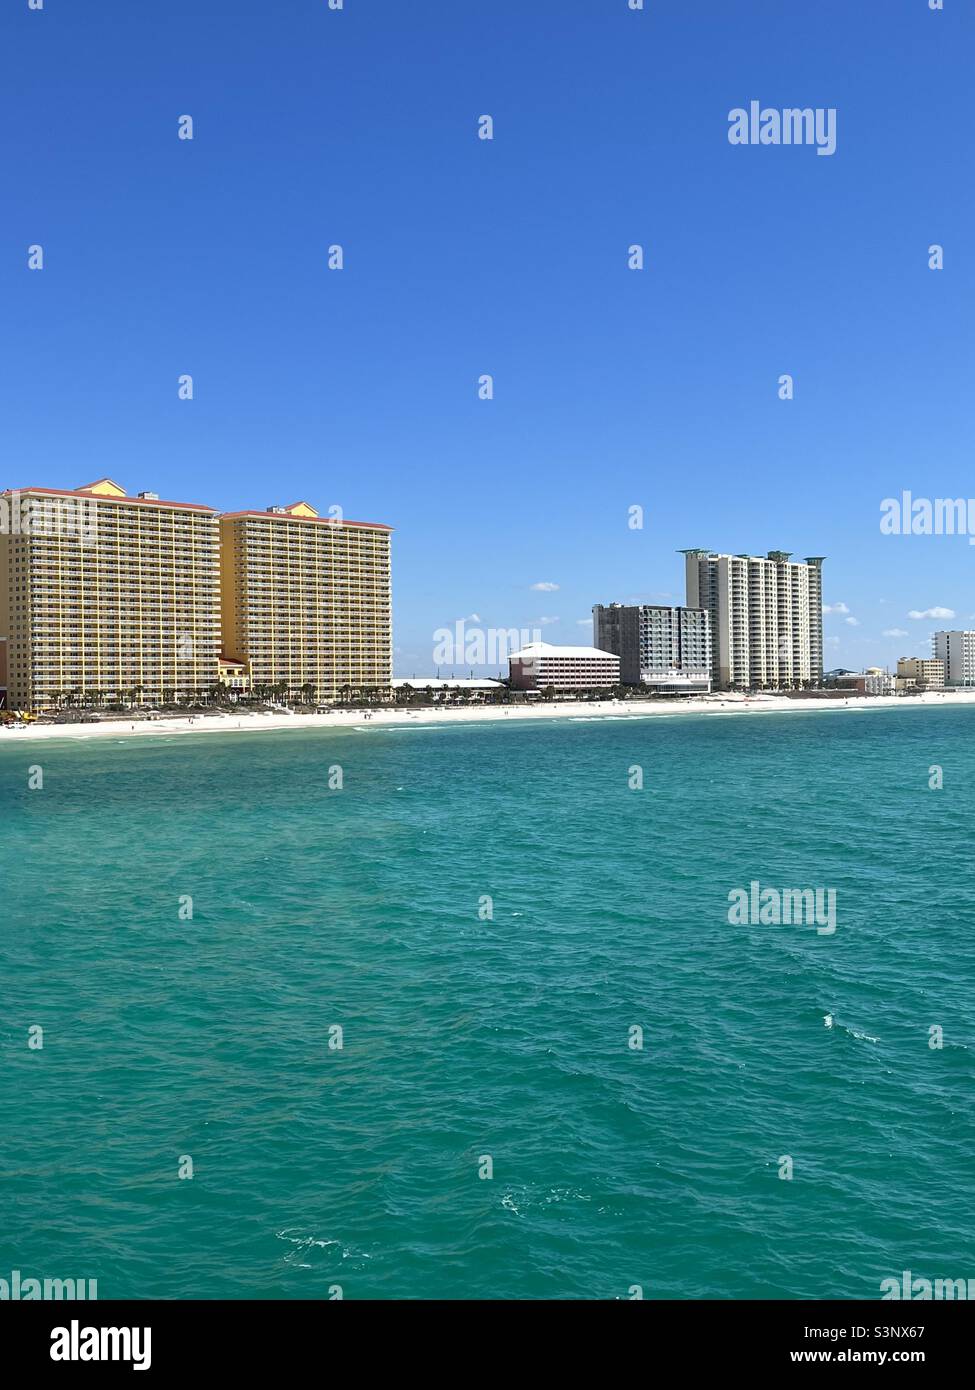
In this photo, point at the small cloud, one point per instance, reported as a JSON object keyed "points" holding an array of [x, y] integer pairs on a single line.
{"points": [[895, 632], [545, 587], [835, 608], [852, 622], [583, 622], [546, 622], [931, 613], [832, 641]]}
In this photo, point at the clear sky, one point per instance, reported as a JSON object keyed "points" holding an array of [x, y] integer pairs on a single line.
{"points": [[613, 387]]}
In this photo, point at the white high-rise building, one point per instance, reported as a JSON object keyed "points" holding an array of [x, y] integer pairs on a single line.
{"points": [[766, 618], [957, 651]]}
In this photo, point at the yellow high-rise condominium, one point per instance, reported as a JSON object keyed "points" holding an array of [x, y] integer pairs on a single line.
{"points": [[106, 597], [306, 600]]}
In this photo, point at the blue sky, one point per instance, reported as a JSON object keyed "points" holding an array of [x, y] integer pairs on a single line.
{"points": [[612, 387]]}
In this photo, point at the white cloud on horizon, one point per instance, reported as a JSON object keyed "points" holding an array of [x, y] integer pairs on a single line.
{"points": [[895, 632], [835, 608], [916, 613], [545, 587]]}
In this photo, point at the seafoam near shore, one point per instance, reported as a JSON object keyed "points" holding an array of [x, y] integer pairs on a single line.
{"points": [[251, 722]]}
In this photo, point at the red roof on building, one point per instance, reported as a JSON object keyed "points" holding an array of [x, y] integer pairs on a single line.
{"points": [[306, 520], [104, 497], [186, 506]]}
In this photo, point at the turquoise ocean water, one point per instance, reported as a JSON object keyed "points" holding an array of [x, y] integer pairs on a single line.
{"points": [[612, 1167]]}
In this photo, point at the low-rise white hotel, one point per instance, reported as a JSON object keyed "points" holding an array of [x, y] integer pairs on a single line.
{"points": [[542, 666]]}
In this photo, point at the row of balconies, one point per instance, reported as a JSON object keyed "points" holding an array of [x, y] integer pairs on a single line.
{"points": [[296, 619], [307, 652], [206, 589], [140, 580], [281, 591], [94, 557], [138, 675], [318, 561], [144, 651], [137, 578], [315, 622], [181, 551], [142, 537], [319, 640], [309, 559], [272, 573], [318, 599], [343, 575]]}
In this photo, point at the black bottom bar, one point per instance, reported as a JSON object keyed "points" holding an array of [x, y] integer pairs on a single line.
{"points": [[256, 1337]]}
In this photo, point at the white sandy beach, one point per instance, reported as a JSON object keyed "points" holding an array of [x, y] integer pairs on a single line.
{"points": [[249, 722]]}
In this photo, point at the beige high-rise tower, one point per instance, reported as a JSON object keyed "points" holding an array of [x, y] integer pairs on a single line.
{"points": [[106, 596], [766, 618], [306, 600]]}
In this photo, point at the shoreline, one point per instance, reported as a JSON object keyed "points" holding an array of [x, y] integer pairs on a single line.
{"points": [[251, 722]]}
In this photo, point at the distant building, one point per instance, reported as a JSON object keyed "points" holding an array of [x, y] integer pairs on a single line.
{"points": [[667, 649], [766, 618], [957, 651], [918, 673], [234, 675], [877, 682], [540, 665], [441, 689], [873, 681]]}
